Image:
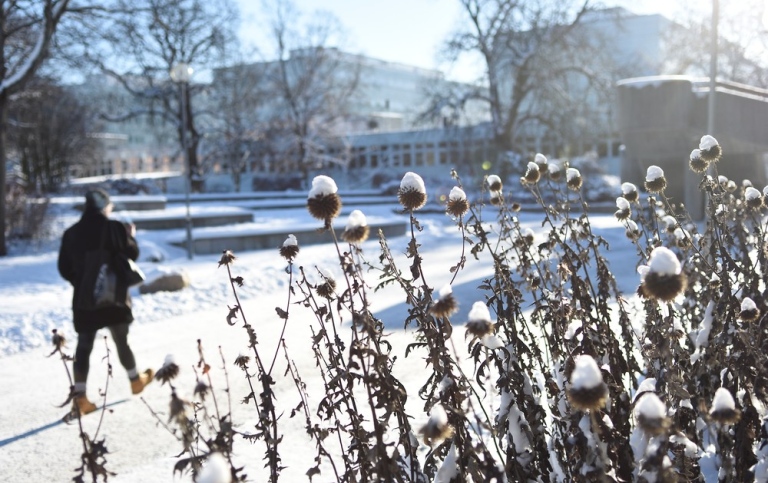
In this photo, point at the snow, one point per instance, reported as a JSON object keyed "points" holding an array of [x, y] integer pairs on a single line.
{"points": [[494, 179], [215, 470], [723, 401], [533, 166], [554, 168], [492, 342], [413, 182], [572, 173], [457, 194], [751, 193], [36, 300], [651, 406], [653, 173], [695, 154], [707, 142], [663, 261], [356, 219], [540, 159], [444, 291], [322, 186], [628, 188], [748, 304], [479, 312], [622, 203], [290, 241], [586, 374], [449, 469]]}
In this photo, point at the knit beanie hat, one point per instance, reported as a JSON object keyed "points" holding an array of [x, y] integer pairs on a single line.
{"points": [[97, 198]]}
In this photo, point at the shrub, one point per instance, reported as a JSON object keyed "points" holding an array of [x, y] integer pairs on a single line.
{"points": [[571, 380]]}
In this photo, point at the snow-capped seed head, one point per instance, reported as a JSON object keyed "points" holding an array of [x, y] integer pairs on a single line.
{"points": [[227, 258], [632, 232], [323, 201], [526, 237], [629, 192], [457, 204], [532, 174], [664, 279], [357, 229], [670, 222], [437, 428], [724, 407], [479, 322], [710, 149], [178, 410], [573, 179], [541, 161], [745, 183], [753, 198], [624, 211], [655, 182], [555, 173], [497, 198], [696, 162], [493, 182], [765, 191], [682, 238], [445, 305], [58, 341], [412, 194], [587, 389], [731, 186], [241, 361], [651, 414], [749, 310], [714, 281], [327, 287], [201, 390], [290, 248], [168, 371], [215, 470]]}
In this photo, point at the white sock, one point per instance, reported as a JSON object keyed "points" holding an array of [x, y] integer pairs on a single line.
{"points": [[80, 387], [132, 373]]}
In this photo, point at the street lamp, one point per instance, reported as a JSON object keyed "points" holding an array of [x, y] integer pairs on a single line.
{"points": [[181, 73]]}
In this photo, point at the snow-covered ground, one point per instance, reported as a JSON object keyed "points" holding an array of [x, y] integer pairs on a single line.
{"points": [[36, 447]]}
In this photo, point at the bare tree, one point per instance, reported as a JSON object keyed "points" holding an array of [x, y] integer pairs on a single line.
{"points": [[315, 83], [27, 29], [239, 93], [742, 46], [541, 68], [141, 49], [47, 133]]}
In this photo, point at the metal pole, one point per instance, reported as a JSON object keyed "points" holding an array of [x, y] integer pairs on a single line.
{"points": [[713, 69], [187, 172], [694, 199]]}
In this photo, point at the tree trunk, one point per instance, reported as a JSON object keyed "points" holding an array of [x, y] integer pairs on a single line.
{"points": [[3, 181]]}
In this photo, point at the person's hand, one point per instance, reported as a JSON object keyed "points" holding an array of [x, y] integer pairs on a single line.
{"points": [[131, 229]]}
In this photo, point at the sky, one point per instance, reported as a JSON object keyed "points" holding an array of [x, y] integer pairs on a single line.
{"points": [[405, 31]]}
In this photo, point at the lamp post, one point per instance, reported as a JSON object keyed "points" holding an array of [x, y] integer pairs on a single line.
{"points": [[181, 73]]}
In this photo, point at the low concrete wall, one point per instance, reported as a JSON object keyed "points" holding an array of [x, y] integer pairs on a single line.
{"points": [[197, 221], [238, 242]]}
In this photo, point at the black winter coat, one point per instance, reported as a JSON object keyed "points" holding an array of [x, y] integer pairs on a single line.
{"points": [[87, 235]]}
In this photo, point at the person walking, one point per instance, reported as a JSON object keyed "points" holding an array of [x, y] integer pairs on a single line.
{"points": [[95, 231]]}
